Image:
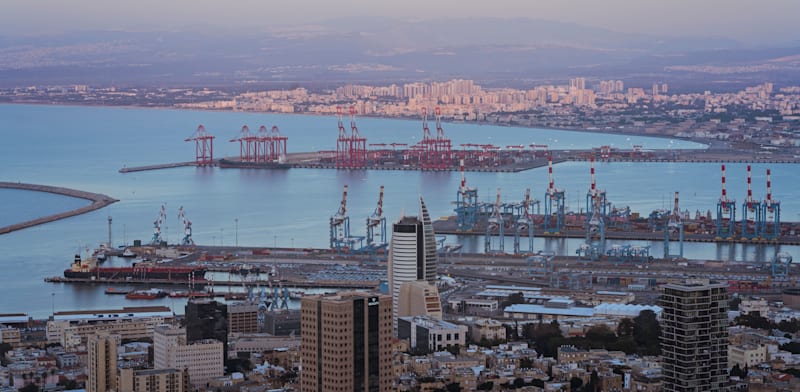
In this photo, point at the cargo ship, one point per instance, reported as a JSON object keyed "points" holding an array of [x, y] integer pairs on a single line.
{"points": [[230, 163], [88, 269]]}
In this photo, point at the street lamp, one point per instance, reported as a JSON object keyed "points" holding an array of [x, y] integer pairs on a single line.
{"points": [[221, 236], [292, 242], [236, 220]]}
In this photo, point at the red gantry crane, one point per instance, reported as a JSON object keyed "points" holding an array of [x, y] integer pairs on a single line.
{"points": [[203, 146]]}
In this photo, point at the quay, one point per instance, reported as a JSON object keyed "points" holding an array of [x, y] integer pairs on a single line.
{"points": [[156, 167], [506, 162], [288, 283], [98, 201], [635, 233]]}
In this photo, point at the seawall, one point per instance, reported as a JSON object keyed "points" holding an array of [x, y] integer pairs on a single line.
{"points": [[98, 201]]}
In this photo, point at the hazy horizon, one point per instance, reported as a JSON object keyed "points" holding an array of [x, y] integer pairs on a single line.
{"points": [[759, 23]]}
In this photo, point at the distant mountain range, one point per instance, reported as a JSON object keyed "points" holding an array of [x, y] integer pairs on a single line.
{"points": [[494, 51]]}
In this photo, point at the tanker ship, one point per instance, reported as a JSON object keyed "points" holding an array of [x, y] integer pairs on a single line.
{"points": [[82, 269]]}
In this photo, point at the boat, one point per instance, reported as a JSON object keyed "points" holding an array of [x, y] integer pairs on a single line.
{"points": [[142, 271], [101, 257], [189, 294], [230, 163], [112, 291], [146, 294], [128, 253]]}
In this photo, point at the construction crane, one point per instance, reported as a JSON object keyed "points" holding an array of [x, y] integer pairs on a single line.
{"points": [[674, 226], [157, 240], [495, 223], [377, 221], [752, 214], [187, 228]]}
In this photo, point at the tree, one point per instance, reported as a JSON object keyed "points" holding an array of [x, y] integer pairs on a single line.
{"points": [[487, 386], [519, 383], [736, 371], [575, 383], [525, 363], [600, 335], [734, 302], [513, 298], [646, 332], [625, 327], [29, 388], [454, 349], [753, 320], [453, 387]]}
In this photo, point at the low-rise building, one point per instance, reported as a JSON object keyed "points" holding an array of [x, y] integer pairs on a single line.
{"points": [[747, 354], [430, 334]]}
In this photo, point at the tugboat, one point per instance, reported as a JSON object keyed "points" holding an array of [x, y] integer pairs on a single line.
{"points": [[112, 291], [128, 253]]}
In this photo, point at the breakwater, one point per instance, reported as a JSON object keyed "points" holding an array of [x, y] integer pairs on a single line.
{"points": [[98, 201]]}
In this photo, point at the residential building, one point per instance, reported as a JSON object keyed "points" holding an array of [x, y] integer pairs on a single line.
{"points": [[694, 336], [102, 350], [203, 358], [153, 380], [346, 342], [243, 317]]}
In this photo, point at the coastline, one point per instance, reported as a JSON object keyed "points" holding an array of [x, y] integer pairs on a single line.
{"points": [[704, 142], [98, 201]]}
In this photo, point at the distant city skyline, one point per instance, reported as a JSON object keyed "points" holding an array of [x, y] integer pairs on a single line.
{"points": [[750, 22]]}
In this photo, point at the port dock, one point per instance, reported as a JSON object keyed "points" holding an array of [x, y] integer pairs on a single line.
{"points": [[98, 201]]}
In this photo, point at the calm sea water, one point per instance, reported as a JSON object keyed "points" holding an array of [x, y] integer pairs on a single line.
{"points": [[84, 147]]}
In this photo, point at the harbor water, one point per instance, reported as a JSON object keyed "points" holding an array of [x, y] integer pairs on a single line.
{"points": [[84, 147]]}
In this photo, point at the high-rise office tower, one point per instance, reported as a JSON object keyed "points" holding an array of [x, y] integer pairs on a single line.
{"points": [[346, 343], [207, 319], [694, 336], [102, 350], [412, 254]]}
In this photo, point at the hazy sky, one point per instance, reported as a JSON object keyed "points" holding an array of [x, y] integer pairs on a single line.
{"points": [[746, 20]]}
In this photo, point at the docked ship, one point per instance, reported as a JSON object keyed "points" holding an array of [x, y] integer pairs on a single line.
{"points": [[231, 163], [113, 291], [146, 294], [142, 271]]}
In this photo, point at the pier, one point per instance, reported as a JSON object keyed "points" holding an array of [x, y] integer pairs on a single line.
{"points": [[156, 167], [98, 201]]}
